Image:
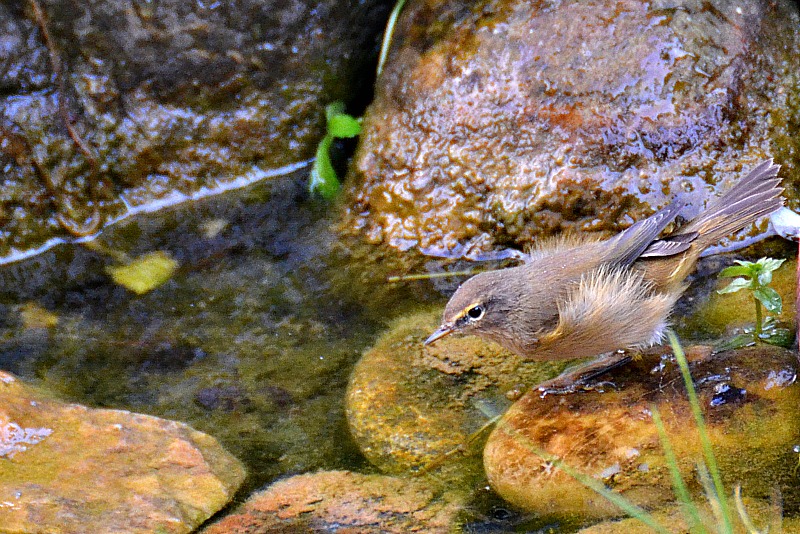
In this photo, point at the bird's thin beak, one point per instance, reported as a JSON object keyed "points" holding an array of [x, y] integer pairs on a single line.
{"points": [[444, 330]]}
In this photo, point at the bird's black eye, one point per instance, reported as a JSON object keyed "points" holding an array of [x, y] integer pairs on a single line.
{"points": [[476, 312]]}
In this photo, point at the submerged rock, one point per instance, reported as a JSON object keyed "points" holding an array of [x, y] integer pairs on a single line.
{"points": [[69, 468], [749, 399], [339, 501], [408, 404], [496, 122]]}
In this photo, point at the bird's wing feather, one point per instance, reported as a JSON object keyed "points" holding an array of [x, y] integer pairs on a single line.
{"points": [[629, 245], [674, 244]]}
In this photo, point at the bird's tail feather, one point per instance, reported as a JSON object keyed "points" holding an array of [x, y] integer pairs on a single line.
{"points": [[754, 196]]}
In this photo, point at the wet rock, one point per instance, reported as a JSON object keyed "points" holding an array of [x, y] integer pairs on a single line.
{"points": [[408, 404], [610, 435], [69, 468], [498, 123], [343, 502], [112, 105]]}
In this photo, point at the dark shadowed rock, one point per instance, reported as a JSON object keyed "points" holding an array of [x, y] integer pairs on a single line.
{"points": [[110, 105]]}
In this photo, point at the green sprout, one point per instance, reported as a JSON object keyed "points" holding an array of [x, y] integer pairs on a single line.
{"points": [[340, 125], [756, 277]]}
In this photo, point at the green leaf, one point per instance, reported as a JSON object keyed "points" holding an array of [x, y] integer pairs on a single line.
{"points": [[333, 109], [323, 179], [770, 264], [736, 342], [782, 337], [764, 278], [343, 125], [736, 284], [769, 298], [736, 270]]}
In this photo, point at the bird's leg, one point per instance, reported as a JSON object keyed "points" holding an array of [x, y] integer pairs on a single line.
{"points": [[582, 377]]}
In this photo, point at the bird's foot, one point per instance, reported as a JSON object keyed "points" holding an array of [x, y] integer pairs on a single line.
{"points": [[583, 378]]}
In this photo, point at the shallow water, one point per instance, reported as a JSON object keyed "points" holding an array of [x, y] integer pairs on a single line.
{"points": [[251, 340]]}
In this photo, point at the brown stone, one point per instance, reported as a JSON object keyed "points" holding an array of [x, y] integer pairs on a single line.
{"points": [[68, 468], [343, 502], [749, 399]]}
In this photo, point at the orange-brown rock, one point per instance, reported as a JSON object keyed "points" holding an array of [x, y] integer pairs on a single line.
{"points": [[749, 399], [69, 468], [343, 502]]}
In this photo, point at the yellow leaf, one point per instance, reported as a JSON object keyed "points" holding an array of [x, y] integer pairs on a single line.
{"points": [[145, 273]]}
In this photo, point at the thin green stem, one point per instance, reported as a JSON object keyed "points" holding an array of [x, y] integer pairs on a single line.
{"points": [[705, 441], [681, 490], [387, 35], [757, 331]]}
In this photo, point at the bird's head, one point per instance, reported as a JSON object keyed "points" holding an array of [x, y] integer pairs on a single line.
{"points": [[480, 306]]}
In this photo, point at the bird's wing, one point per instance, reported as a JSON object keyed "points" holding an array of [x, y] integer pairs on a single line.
{"points": [[674, 244], [629, 245]]}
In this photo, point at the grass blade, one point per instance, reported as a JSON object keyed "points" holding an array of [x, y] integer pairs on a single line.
{"points": [[748, 524], [681, 490], [708, 453], [387, 35]]}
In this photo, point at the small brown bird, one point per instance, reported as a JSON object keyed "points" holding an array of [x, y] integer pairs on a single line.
{"points": [[579, 297]]}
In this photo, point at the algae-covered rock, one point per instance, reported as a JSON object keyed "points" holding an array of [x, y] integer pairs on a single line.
{"points": [[749, 399], [408, 404], [342, 501], [500, 121], [722, 313], [69, 468]]}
